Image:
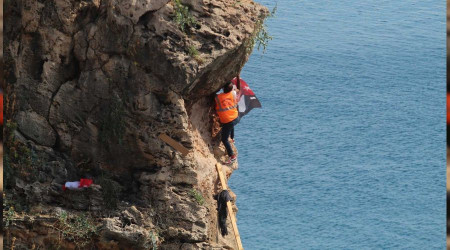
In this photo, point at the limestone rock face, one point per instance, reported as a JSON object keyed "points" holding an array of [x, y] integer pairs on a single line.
{"points": [[91, 86], [36, 128]]}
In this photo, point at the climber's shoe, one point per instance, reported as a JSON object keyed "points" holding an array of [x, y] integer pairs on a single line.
{"points": [[232, 159]]}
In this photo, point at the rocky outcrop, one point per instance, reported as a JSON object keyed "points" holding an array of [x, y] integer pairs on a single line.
{"points": [[91, 86]]}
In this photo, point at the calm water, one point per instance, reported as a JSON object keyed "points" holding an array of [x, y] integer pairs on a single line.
{"points": [[348, 151]]}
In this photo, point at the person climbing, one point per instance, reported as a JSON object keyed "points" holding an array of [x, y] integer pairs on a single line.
{"points": [[226, 107], [222, 210]]}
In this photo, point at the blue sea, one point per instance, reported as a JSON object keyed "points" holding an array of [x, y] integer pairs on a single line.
{"points": [[348, 151]]}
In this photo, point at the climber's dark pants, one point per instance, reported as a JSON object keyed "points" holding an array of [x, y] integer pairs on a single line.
{"points": [[227, 131]]}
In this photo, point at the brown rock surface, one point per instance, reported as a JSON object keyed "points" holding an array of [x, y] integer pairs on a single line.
{"points": [[91, 85]]}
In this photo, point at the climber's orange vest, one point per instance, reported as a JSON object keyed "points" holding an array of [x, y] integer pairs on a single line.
{"points": [[226, 106]]}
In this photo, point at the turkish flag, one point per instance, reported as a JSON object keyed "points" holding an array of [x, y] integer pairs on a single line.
{"points": [[246, 97]]}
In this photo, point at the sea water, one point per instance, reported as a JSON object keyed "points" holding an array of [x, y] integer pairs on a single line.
{"points": [[348, 151]]}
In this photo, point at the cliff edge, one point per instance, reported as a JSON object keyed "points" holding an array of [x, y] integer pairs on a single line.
{"points": [[91, 84]]}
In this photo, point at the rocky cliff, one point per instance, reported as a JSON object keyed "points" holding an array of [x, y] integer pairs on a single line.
{"points": [[91, 84]]}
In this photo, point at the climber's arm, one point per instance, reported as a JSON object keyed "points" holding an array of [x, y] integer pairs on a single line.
{"points": [[238, 82]]}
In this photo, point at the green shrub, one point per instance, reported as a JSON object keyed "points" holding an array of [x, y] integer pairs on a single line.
{"points": [[193, 52], [182, 17], [77, 228], [260, 36], [154, 241], [151, 242], [237, 3], [8, 211], [197, 196]]}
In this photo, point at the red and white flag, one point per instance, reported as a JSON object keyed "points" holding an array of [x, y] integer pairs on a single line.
{"points": [[73, 185], [246, 97]]}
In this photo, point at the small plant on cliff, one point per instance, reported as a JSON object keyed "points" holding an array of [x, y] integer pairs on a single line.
{"points": [[193, 52], [197, 196], [112, 127], [260, 36], [182, 16], [8, 211], [151, 241], [154, 241], [9, 216], [76, 228]]}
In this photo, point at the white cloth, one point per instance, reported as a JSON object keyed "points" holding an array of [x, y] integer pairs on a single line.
{"points": [[236, 96], [72, 185]]}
